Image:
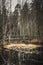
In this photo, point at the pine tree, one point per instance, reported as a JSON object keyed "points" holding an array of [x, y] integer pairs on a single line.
{"points": [[37, 8], [25, 17]]}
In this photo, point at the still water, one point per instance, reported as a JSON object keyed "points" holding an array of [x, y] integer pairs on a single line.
{"points": [[22, 55]]}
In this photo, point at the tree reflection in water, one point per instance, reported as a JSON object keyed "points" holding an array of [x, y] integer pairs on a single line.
{"points": [[24, 56]]}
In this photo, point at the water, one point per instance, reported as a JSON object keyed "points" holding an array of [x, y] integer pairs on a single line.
{"points": [[19, 57]]}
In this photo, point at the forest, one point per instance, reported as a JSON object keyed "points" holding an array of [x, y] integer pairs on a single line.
{"points": [[25, 20], [21, 32]]}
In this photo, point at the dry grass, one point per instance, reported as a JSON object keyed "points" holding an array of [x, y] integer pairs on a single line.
{"points": [[21, 45]]}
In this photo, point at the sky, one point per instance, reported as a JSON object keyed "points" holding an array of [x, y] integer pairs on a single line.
{"points": [[14, 2]]}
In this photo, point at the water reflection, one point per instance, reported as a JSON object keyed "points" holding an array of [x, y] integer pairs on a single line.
{"points": [[23, 55]]}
